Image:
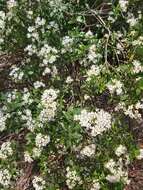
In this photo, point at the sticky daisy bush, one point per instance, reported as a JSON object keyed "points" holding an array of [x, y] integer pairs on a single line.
{"points": [[71, 93]]}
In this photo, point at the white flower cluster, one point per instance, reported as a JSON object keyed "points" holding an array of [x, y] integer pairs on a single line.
{"points": [[137, 67], [38, 183], [27, 157], [11, 96], [32, 30], [5, 177], [30, 122], [6, 150], [121, 150], [3, 119], [48, 96], [140, 156], [36, 152], [56, 6], [39, 21], [95, 185], [31, 49], [2, 19], [117, 173], [89, 34], [26, 97], [67, 43], [69, 80], [48, 54], [50, 105], [93, 55], [38, 84], [11, 4], [138, 41], [72, 178], [46, 71], [115, 86], [32, 33], [88, 150], [95, 70], [132, 20], [123, 4], [95, 122], [120, 48], [132, 110], [42, 140], [2, 25], [118, 169], [16, 73]]}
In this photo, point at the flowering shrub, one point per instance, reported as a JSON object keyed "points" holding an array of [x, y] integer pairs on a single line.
{"points": [[73, 90]]}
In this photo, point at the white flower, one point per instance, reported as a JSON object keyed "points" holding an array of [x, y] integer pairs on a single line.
{"points": [[92, 55], [40, 21], [137, 67], [120, 150], [132, 112], [5, 177], [26, 97], [67, 41], [85, 118], [2, 15], [113, 178], [6, 150], [48, 54], [16, 73], [3, 119], [102, 123], [118, 170], [96, 122], [38, 84], [54, 71], [72, 178], [132, 20], [48, 96], [46, 71], [139, 105], [49, 105], [48, 113], [86, 97], [30, 122], [27, 157], [31, 29], [2, 20], [123, 4], [42, 140], [110, 165], [140, 156], [38, 183], [88, 150], [95, 185], [11, 4], [115, 86], [52, 58], [89, 34], [69, 80], [36, 152], [93, 71]]}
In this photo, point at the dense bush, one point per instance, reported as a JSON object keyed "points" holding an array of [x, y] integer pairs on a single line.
{"points": [[72, 94]]}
